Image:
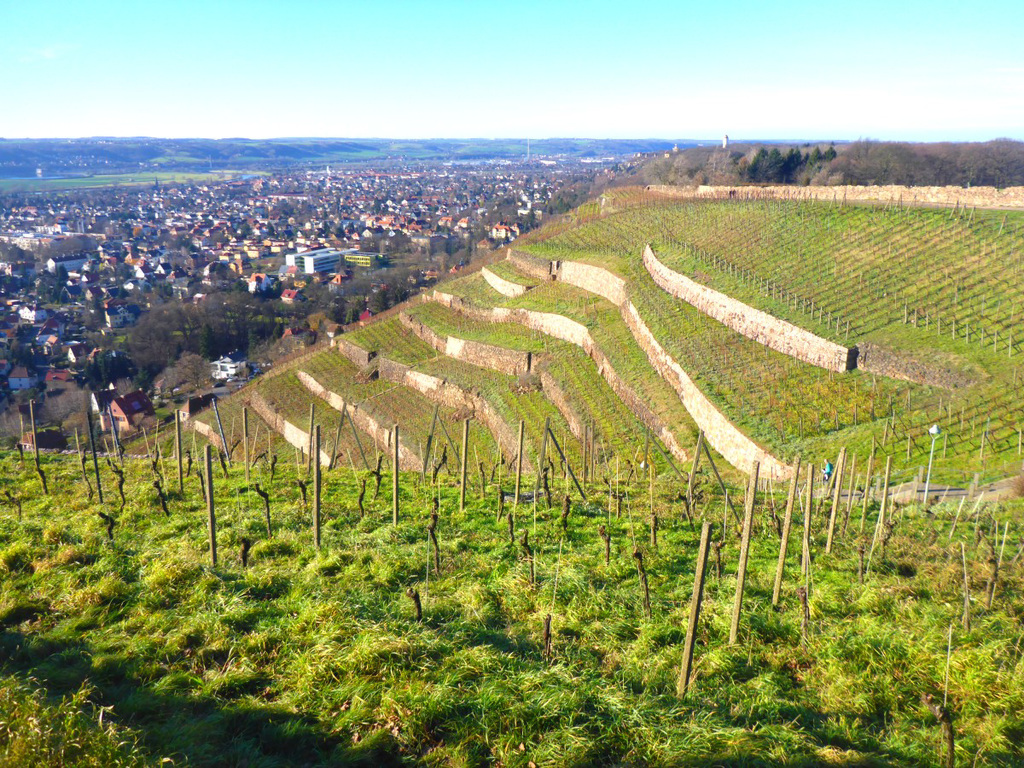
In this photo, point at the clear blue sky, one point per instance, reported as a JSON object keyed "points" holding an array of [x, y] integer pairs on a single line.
{"points": [[900, 69]]}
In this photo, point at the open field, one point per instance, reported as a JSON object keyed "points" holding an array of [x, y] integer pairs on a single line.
{"points": [[136, 651], [114, 180]]}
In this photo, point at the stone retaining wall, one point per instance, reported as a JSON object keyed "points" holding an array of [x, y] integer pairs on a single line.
{"points": [[563, 328], [208, 432], [503, 286], [592, 279], [510, 361], [450, 395], [738, 449], [982, 197], [353, 352], [530, 264], [366, 422], [887, 362], [759, 326], [293, 435]]}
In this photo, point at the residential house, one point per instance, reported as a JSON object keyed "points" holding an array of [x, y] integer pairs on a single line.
{"points": [[127, 411], [120, 314], [260, 282], [20, 379], [229, 367], [33, 313], [71, 262]]}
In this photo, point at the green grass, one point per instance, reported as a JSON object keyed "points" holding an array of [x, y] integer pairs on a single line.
{"points": [[113, 180], [314, 658], [506, 271], [391, 339]]}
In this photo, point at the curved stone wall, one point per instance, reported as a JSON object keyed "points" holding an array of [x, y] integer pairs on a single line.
{"points": [[756, 325], [503, 286]]}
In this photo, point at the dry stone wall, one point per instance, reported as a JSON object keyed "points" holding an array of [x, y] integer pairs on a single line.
{"points": [[736, 447], [503, 286], [530, 264], [887, 362], [592, 279], [563, 328], [206, 431], [759, 326], [982, 197], [293, 435], [381, 434], [512, 362], [353, 352]]}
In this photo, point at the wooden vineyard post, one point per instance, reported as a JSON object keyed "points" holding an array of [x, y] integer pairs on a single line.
{"points": [[542, 460], [220, 426], [836, 496], [211, 514], [881, 511], [35, 437], [519, 466], [885, 489], [851, 489], [245, 441], [805, 559], [741, 568], [92, 447], [394, 483], [867, 485], [177, 451], [787, 524], [81, 458], [309, 453], [317, 479], [695, 602], [337, 442], [693, 471], [464, 464]]}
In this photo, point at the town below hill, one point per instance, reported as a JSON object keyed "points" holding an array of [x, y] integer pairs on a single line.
{"points": [[165, 288]]}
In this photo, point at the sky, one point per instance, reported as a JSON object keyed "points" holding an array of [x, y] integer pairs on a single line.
{"points": [[894, 70]]}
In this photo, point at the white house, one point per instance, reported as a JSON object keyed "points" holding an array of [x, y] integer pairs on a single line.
{"points": [[70, 263], [33, 313], [229, 367]]}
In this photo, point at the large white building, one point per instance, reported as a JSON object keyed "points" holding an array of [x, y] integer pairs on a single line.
{"points": [[312, 262]]}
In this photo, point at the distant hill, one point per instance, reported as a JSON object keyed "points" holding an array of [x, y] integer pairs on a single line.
{"points": [[21, 157], [998, 163]]}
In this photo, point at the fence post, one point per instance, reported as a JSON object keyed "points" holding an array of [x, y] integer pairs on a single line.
{"points": [[211, 515], [245, 441], [177, 450], [519, 465], [695, 602], [787, 524], [317, 477], [394, 482], [741, 570], [465, 461]]}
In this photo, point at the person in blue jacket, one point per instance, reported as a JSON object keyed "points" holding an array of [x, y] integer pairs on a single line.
{"points": [[827, 471]]}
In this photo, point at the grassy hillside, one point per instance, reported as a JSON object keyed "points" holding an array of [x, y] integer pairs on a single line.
{"points": [[140, 652], [122, 643]]}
